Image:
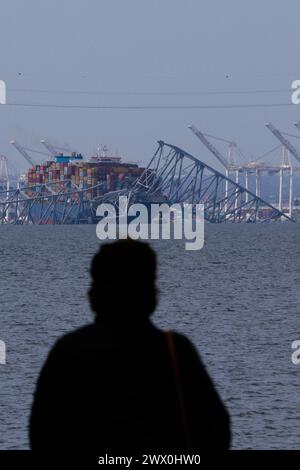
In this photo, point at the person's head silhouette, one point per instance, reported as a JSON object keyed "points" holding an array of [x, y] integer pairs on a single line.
{"points": [[123, 280]]}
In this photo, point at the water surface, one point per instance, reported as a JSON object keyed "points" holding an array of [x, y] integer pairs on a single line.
{"points": [[237, 299]]}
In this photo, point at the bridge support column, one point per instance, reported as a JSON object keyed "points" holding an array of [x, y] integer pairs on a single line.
{"points": [[246, 186], [257, 182], [280, 189], [237, 182], [226, 189], [291, 192]]}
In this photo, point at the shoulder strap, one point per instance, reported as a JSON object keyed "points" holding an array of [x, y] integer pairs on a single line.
{"points": [[179, 388]]}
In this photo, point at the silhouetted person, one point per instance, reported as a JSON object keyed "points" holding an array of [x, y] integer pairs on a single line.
{"points": [[122, 383]]}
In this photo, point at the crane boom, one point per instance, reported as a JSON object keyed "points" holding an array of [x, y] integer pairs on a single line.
{"points": [[209, 145], [285, 142], [55, 150], [49, 147], [23, 152]]}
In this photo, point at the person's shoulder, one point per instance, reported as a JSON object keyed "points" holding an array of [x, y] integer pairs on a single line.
{"points": [[76, 337], [187, 351], [182, 341]]}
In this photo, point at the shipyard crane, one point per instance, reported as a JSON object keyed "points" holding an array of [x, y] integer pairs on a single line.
{"points": [[23, 152], [35, 151], [290, 147], [285, 142], [210, 146], [227, 164], [49, 147], [55, 150]]}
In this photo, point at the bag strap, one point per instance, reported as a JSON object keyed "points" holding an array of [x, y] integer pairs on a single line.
{"points": [[179, 388]]}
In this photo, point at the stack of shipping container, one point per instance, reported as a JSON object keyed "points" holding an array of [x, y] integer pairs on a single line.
{"points": [[111, 174]]}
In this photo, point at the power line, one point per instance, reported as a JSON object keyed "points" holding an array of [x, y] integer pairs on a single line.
{"points": [[141, 107], [149, 93]]}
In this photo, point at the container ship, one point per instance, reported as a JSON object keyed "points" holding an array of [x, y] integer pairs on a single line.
{"points": [[109, 171], [94, 177]]}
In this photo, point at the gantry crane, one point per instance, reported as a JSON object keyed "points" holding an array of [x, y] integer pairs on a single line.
{"points": [[228, 164], [49, 147], [287, 144], [23, 152], [290, 147], [54, 150], [224, 162]]}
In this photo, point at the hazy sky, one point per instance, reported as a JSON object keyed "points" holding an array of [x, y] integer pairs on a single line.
{"points": [[147, 46]]}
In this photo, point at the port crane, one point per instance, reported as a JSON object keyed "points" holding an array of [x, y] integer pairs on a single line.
{"points": [[49, 147], [285, 142], [23, 152], [228, 164], [54, 150], [224, 162], [290, 148]]}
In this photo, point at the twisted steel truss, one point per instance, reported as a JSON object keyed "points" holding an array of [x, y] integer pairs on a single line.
{"points": [[69, 205], [174, 175]]}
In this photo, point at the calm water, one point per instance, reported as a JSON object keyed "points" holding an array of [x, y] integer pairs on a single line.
{"points": [[237, 299]]}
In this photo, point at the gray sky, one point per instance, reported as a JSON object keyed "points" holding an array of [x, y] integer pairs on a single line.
{"points": [[151, 46]]}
